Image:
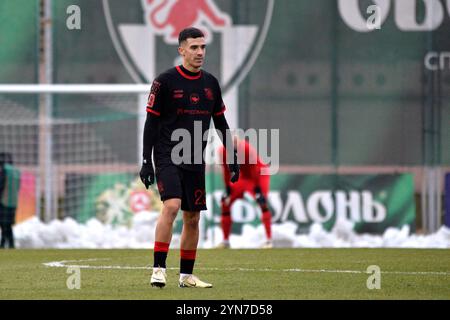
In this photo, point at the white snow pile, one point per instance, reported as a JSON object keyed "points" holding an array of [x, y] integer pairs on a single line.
{"points": [[140, 234]]}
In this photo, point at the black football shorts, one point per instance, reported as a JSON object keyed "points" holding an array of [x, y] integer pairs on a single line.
{"points": [[189, 186]]}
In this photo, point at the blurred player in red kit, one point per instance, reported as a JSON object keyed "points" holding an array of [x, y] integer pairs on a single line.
{"points": [[251, 180]]}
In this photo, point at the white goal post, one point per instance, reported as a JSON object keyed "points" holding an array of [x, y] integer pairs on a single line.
{"points": [[75, 88]]}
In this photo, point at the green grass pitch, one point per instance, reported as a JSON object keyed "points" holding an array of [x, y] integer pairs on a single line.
{"points": [[271, 274]]}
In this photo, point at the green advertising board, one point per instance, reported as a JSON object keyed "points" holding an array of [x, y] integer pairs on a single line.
{"points": [[372, 202]]}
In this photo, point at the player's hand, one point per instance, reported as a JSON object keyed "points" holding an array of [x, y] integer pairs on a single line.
{"points": [[234, 169], [227, 191], [226, 197], [260, 199], [147, 174]]}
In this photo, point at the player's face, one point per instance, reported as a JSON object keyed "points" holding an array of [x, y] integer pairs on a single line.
{"points": [[193, 53]]}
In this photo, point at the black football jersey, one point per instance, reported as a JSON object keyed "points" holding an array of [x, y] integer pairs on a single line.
{"points": [[185, 101]]}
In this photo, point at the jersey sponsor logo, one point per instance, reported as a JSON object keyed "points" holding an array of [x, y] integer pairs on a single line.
{"points": [[196, 112], [142, 44], [181, 111]]}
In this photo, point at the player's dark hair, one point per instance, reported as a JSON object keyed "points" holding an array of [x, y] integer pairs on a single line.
{"points": [[189, 33]]}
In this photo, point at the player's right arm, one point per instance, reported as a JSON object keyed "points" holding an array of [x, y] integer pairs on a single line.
{"points": [[155, 104]]}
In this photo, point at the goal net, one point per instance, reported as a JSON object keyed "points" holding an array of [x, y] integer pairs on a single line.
{"points": [[72, 143]]}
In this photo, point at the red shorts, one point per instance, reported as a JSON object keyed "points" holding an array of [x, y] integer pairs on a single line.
{"points": [[245, 185]]}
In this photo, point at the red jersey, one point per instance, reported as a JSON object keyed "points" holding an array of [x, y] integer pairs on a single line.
{"points": [[250, 169]]}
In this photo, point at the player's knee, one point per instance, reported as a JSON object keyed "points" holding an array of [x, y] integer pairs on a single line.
{"points": [[191, 220], [172, 206]]}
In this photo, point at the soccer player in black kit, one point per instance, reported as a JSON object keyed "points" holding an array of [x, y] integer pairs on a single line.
{"points": [[184, 97]]}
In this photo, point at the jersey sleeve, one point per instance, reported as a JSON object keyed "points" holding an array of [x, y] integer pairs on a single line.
{"points": [[219, 105], [156, 98], [225, 170]]}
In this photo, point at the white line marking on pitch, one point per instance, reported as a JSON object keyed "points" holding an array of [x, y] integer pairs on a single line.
{"points": [[62, 264]]}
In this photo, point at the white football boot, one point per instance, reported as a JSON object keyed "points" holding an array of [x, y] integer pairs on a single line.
{"points": [[192, 281], [158, 278]]}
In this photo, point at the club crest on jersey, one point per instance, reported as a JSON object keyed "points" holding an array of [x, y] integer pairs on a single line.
{"points": [[194, 98], [142, 44]]}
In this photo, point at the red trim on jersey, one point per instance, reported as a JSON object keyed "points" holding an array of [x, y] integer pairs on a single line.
{"points": [[153, 111], [188, 76], [220, 112], [188, 254]]}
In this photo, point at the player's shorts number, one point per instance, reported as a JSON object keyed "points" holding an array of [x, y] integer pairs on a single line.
{"points": [[200, 198]]}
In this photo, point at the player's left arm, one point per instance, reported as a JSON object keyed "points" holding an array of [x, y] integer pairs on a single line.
{"points": [[221, 124], [225, 170]]}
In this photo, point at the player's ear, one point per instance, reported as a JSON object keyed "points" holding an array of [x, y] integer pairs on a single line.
{"points": [[182, 48]]}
